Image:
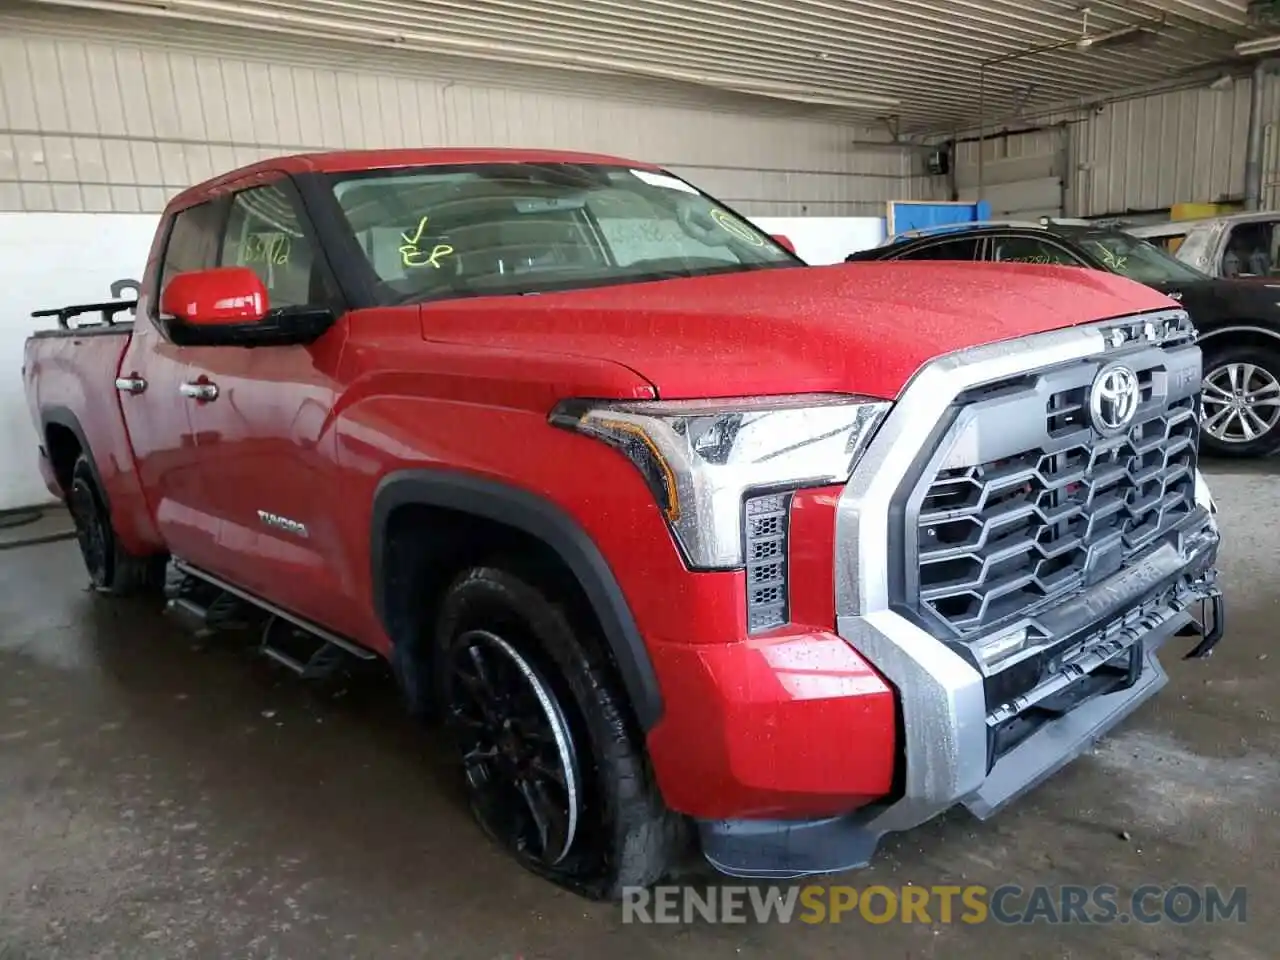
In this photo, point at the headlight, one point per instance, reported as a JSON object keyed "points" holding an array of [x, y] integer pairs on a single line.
{"points": [[701, 457]]}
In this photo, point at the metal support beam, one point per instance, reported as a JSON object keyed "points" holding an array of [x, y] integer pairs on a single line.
{"points": [[1253, 150]]}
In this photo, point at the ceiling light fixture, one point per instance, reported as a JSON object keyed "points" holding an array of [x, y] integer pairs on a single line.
{"points": [[1121, 36], [1125, 35], [1250, 48], [771, 89]]}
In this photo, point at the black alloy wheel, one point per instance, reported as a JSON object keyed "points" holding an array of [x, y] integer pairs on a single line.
{"points": [[112, 569], [522, 773], [555, 770], [92, 530]]}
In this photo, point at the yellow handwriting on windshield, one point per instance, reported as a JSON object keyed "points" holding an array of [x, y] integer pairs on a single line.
{"points": [[412, 254], [1114, 260]]}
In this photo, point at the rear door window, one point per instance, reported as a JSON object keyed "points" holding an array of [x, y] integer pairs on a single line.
{"points": [[1031, 250], [959, 249]]}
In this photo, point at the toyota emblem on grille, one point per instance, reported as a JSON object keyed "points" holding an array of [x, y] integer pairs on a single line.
{"points": [[1114, 398]]}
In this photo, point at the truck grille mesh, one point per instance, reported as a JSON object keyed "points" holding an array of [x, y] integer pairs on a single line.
{"points": [[996, 538], [765, 534]]}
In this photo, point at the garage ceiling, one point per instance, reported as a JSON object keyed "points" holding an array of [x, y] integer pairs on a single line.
{"points": [[914, 63]]}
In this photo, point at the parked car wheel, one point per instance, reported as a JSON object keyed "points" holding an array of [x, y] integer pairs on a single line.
{"points": [[552, 771], [1241, 402], [112, 569]]}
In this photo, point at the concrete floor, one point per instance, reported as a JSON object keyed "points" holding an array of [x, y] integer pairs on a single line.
{"points": [[160, 798]]}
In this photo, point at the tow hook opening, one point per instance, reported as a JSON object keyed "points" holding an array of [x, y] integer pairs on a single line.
{"points": [[1209, 623]]}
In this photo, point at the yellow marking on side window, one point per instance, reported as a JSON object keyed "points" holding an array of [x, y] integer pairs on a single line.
{"points": [[271, 248]]}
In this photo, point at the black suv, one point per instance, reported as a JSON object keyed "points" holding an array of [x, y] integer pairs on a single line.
{"points": [[1238, 320]]}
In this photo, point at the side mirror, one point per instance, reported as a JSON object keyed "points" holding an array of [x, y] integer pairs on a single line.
{"points": [[215, 298], [227, 307], [784, 241]]}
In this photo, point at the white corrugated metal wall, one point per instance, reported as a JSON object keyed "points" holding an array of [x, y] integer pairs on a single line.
{"points": [[96, 117], [1143, 154]]}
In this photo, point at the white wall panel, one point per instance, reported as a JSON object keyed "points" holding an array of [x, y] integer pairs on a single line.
{"points": [[1021, 199], [1153, 152], [1134, 155], [34, 275], [96, 120]]}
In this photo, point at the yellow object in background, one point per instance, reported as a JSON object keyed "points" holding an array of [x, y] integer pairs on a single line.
{"points": [[1198, 211]]}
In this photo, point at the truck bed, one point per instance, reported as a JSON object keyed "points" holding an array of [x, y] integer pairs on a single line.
{"points": [[69, 375]]}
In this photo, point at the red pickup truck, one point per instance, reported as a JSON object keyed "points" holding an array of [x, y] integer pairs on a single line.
{"points": [[680, 539]]}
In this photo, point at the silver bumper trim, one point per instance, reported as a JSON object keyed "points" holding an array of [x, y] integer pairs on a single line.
{"points": [[943, 704]]}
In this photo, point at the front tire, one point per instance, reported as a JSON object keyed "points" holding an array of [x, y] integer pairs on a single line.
{"points": [[553, 773], [112, 569], [1241, 401]]}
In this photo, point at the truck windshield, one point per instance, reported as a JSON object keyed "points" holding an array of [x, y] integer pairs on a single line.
{"points": [[520, 228], [1200, 240], [1137, 259]]}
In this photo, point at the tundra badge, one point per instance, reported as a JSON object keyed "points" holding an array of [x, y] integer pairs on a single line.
{"points": [[283, 523]]}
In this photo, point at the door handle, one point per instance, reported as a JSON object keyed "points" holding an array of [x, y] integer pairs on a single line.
{"points": [[131, 384], [204, 392]]}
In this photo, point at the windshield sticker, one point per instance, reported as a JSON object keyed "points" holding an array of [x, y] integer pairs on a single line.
{"points": [[412, 254], [272, 248], [663, 180], [737, 228], [549, 204]]}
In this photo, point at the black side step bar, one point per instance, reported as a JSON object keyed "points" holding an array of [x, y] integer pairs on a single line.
{"points": [[196, 612], [288, 646]]}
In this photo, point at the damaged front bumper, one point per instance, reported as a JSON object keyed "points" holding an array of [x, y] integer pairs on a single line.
{"points": [[962, 747]]}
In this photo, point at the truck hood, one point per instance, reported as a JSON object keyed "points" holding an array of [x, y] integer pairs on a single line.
{"points": [[854, 328]]}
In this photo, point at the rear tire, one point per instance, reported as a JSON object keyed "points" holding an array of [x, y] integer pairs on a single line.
{"points": [[554, 773], [1241, 402], [112, 569]]}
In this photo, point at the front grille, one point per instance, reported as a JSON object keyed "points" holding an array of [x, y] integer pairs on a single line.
{"points": [[1025, 501]]}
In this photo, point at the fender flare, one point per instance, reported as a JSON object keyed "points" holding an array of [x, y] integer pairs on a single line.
{"points": [[63, 417], [1240, 328], [543, 520]]}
